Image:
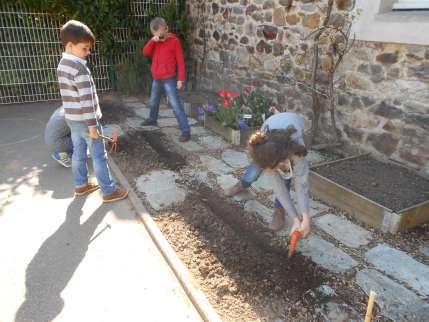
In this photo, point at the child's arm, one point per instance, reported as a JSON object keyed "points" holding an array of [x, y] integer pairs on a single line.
{"points": [[282, 194], [300, 180], [148, 48], [87, 98], [180, 61]]}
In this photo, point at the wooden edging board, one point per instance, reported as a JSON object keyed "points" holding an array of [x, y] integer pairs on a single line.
{"points": [[236, 137], [362, 208], [185, 278]]}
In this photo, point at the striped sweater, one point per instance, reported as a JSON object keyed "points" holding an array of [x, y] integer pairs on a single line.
{"points": [[78, 92]]}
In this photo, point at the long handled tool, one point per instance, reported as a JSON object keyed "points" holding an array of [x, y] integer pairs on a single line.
{"points": [[113, 140], [370, 307]]}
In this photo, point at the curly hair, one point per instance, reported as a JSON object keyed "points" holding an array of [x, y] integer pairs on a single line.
{"points": [[270, 148]]}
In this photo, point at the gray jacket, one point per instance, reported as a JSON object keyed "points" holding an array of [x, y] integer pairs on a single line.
{"points": [[57, 133], [300, 166]]}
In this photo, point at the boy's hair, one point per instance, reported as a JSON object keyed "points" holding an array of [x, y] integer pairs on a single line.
{"points": [[270, 148], [75, 32], [157, 23]]}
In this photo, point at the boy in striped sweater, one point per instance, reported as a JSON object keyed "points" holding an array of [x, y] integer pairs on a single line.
{"points": [[82, 113]]}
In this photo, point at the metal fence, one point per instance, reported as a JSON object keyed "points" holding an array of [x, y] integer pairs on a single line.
{"points": [[30, 50]]}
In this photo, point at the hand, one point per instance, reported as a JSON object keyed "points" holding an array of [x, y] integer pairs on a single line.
{"points": [[179, 84], [93, 133], [305, 225], [155, 38], [295, 226]]}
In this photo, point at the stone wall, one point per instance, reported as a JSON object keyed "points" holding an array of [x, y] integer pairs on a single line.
{"points": [[382, 89]]}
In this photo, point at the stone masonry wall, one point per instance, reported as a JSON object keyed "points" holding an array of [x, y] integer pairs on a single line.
{"points": [[382, 89]]}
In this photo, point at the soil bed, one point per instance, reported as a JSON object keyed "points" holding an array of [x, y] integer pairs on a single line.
{"points": [[390, 185], [241, 267]]}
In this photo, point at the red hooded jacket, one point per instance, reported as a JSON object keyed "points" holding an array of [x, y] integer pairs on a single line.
{"points": [[166, 56]]}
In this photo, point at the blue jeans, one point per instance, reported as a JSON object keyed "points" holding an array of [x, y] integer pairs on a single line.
{"points": [[82, 141], [250, 175], [170, 88]]}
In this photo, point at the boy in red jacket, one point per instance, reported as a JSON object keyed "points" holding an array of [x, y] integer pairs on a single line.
{"points": [[167, 58]]}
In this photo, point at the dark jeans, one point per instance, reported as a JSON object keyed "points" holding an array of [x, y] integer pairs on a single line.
{"points": [[170, 88]]}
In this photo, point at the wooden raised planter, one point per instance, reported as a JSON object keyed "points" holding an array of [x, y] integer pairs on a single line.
{"points": [[236, 137], [364, 209]]}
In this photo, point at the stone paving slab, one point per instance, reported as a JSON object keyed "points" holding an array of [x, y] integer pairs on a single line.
{"points": [[258, 208], [401, 266], [263, 183], [161, 189], [344, 230], [214, 165], [213, 143], [108, 130], [190, 146], [235, 159], [199, 130], [244, 196], [338, 312], [136, 105], [225, 180], [171, 131], [135, 123], [167, 122], [396, 302], [166, 113], [129, 99], [424, 250], [142, 112], [314, 157], [326, 254]]}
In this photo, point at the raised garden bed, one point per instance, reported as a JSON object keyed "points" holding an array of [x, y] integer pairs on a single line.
{"points": [[236, 137], [383, 195]]}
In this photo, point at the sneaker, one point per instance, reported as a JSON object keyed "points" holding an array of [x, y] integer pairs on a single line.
{"points": [[149, 122], [119, 194], [90, 187], [185, 137], [62, 158], [278, 220], [235, 190]]}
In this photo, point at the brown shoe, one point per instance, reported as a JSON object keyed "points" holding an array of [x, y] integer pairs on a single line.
{"points": [[278, 220], [119, 194], [235, 190], [90, 187]]}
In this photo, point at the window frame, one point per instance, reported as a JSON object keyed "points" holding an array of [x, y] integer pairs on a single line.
{"points": [[379, 23]]}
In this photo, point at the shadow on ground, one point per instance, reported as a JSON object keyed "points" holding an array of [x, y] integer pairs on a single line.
{"points": [[57, 259]]}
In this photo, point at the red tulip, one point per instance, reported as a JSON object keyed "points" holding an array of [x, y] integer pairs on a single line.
{"points": [[231, 94], [222, 93], [226, 103]]}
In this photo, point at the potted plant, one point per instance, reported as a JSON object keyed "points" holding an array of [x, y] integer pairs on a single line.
{"points": [[237, 116]]}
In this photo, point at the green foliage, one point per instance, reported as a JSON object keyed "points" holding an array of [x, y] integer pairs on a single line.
{"points": [[134, 74], [102, 16], [228, 116], [255, 103]]}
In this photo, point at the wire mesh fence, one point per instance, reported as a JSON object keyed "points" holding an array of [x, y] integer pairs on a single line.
{"points": [[30, 50]]}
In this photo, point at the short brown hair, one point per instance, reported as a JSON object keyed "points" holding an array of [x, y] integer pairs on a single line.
{"points": [[75, 32], [272, 147], [157, 23]]}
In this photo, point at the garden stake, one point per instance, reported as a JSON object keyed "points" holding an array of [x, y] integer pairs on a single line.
{"points": [[368, 316]]}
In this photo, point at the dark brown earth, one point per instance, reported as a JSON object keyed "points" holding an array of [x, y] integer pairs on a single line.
{"points": [[241, 267], [388, 184]]}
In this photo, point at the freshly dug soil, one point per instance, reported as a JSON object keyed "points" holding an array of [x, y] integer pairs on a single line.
{"points": [[240, 265], [390, 185], [114, 112]]}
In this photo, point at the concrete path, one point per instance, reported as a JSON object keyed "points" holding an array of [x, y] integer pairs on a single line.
{"points": [[72, 259]]}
